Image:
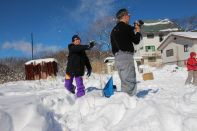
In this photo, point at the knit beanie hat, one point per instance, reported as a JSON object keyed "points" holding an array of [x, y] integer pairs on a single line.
{"points": [[74, 37]]}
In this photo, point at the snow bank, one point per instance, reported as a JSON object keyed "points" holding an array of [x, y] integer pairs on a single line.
{"points": [[162, 104]]}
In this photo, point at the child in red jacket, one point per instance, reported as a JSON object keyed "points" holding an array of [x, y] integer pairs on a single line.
{"points": [[192, 69]]}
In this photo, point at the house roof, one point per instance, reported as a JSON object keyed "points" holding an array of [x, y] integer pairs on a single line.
{"points": [[192, 35], [155, 26], [35, 62], [188, 35], [195, 30]]}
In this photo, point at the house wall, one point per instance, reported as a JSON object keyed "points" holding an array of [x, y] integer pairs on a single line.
{"points": [[141, 50], [157, 63], [147, 42], [150, 41], [179, 56], [195, 45]]}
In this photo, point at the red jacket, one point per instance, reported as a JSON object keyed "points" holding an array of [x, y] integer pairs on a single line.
{"points": [[192, 62]]}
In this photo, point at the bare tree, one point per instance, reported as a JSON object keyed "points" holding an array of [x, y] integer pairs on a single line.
{"points": [[60, 56], [188, 23], [100, 32], [12, 69]]}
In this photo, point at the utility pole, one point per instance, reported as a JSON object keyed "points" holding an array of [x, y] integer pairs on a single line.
{"points": [[32, 49]]}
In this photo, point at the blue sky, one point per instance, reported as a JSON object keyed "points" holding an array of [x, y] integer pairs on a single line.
{"points": [[53, 22]]}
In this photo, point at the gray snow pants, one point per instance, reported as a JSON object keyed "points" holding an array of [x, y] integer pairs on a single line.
{"points": [[124, 63], [191, 75]]}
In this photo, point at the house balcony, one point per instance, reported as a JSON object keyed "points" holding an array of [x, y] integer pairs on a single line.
{"points": [[151, 54]]}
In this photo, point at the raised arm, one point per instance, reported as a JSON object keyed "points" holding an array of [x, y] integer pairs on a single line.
{"points": [[136, 37]]}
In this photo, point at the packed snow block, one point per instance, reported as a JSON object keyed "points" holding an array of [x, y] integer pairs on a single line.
{"points": [[148, 76], [109, 88]]}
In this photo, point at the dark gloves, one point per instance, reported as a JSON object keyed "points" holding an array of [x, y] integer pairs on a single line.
{"points": [[91, 44], [89, 72]]}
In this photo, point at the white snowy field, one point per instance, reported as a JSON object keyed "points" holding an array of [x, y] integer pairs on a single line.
{"points": [[162, 104]]}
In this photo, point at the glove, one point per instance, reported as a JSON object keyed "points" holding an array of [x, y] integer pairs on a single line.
{"points": [[89, 72], [92, 44]]}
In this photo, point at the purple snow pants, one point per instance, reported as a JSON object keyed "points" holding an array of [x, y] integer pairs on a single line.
{"points": [[79, 83]]}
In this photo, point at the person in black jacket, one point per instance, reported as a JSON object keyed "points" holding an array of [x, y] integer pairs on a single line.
{"points": [[123, 36], [77, 61]]}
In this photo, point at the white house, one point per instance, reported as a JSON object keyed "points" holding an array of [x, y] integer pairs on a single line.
{"points": [[154, 32], [177, 47], [110, 62]]}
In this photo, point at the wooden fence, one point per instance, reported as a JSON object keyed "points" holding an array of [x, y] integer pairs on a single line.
{"points": [[41, 70]]}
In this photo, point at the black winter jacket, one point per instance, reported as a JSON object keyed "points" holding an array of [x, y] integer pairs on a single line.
{"points": [[123, 37], [77, 60]]}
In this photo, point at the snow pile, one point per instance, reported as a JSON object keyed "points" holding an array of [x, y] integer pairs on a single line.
{"points": [[162, 104]]}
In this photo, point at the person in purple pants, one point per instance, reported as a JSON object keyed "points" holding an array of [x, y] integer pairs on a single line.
{"points": [[77, 61]]}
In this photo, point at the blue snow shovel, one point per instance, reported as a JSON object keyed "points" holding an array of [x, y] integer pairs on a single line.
{"points": [[109, 88]]}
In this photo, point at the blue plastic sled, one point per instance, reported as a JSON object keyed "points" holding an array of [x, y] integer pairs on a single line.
{"points": [[109, 88]]}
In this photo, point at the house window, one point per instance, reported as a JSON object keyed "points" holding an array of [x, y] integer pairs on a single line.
{"points": [[160, 37], [151, 59], [150, 35], [186, 48], [169, 53], [150, 48]]}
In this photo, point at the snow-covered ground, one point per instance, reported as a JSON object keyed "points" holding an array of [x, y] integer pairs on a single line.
{"points": [[162, 104]]}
